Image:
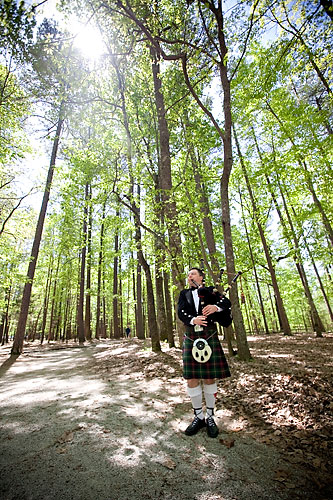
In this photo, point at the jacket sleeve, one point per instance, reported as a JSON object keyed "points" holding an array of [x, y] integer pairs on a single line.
{"points": [[223, 317], [222, 302], [183, 309]]}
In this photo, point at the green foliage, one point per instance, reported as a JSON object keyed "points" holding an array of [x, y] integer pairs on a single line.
{"points": [[13, 107], [16, 28], [282, 114]]}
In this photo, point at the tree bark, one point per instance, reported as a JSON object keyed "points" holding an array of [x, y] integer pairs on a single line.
{"points": [[140, 329], [214, 268], [152, 322], [80, 320], [46, 299], [242, 345], [116, 329], [261, 302], [99, 322], [87, 319], [315, 318], [50, 335], [20, 331], [4, 326], [165, 180], [279, 302]]}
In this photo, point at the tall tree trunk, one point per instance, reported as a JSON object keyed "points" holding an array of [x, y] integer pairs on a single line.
{"points": [[168, 308], [152, 322], [4, 326], [115, 308], [140, 329], [99, 322], [242, 345], [80, 320], [50, 335], [20, 331], [214, 268], [275, 315], [161, 310], [308, 179], [321, 285], [165, 180], [248, 297], [261, 302], [87, 319], [46, 299], [279, 302], [160, 304], [315, 318], [67, 314], [121, 318]]}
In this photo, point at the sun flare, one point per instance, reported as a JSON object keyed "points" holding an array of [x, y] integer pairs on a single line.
{"points": [[89, 41]]}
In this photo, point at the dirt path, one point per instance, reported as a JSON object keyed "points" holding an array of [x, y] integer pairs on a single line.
{"points": [[79, 424]]}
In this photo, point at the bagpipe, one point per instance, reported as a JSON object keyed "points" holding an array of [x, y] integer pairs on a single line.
{"points": [[211, 295]]}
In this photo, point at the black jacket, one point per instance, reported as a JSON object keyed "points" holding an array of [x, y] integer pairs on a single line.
{"points": [[187, 311]]}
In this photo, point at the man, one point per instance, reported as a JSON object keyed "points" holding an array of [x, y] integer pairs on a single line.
{"points": [[199, 308]]}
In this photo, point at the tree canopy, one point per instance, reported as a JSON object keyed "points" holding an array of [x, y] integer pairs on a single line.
{"points": [[202, 134]]}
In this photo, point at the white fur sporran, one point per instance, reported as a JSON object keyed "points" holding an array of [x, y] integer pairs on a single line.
{"points": [[201, 350]]}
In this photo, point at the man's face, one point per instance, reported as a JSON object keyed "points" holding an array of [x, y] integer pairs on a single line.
{"points": [[195, 276]]}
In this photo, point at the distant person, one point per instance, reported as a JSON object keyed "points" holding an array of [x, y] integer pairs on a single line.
{"points": [[203, 356], [128, 331]]}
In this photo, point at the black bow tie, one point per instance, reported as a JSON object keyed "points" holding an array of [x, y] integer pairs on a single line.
{"points": [[193, 288]]}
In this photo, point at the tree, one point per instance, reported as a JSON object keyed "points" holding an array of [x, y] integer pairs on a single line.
{"points": [[62, 86]]}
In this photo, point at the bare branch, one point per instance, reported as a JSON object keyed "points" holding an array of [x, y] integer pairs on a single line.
{"points": [[246, 40], [198, 100], [12, 211]]}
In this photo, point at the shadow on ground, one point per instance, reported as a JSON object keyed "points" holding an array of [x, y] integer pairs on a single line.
{"points": [[70, 430]]}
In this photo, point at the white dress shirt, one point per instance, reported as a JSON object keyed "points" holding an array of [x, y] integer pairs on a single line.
{"points": [[196, 301]]}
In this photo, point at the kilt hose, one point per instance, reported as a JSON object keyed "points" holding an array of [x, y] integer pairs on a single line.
{"points": [[215, 367]]}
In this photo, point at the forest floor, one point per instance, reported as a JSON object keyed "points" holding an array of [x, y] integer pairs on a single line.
{"points": [[105, 422]]}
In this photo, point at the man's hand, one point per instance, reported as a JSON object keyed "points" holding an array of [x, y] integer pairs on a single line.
{"points": [[200, 320], [210, 309]]}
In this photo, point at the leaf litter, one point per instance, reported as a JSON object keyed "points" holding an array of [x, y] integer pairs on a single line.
{"points": [[281, 399]]}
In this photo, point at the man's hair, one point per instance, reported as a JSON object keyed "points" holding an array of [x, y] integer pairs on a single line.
{"points": [[197, 269]]}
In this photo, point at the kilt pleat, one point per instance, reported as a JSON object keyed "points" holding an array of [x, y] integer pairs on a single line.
{"points": [[215, 367]]}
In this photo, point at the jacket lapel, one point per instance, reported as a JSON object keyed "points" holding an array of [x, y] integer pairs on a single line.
{"points": [[190, 301]]}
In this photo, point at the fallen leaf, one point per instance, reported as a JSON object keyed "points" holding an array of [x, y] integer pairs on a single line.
{"points": [[229, 443], [281, 475], [66, 436], [290, 486], [61, 450], [167, 462]]}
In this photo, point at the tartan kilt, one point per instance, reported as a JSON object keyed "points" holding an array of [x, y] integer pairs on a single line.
{"points": [[215, 367]]}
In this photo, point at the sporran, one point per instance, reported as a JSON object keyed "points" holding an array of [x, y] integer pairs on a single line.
{"points": [[201, 350]]}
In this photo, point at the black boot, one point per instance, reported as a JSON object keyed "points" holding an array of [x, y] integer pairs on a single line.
{"points": [[196, 424], [212, 429]]}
